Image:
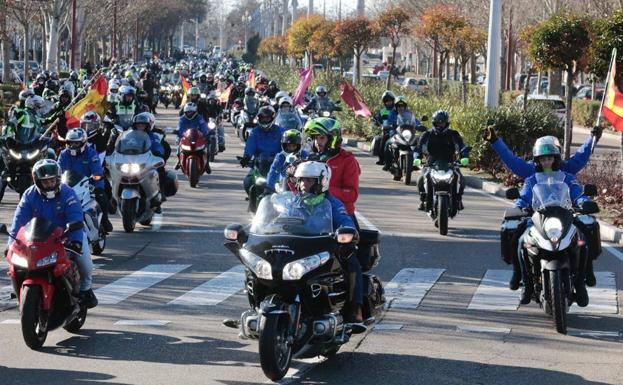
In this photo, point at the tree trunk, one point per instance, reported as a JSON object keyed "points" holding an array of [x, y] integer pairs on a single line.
{"points": [[391, 67], [526, 91], [569, 122], [472, 69], [435, 61], [440, 74], [52, 50], [6, 42], [26, 49], [555, 82], [463, 82]]}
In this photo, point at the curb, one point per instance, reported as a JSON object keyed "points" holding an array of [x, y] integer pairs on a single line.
{"points": [[609, 233]]}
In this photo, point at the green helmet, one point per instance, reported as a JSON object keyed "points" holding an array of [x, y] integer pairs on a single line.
{"points": [[194, 91], [129, 74], [328, 127], [313, 127]]}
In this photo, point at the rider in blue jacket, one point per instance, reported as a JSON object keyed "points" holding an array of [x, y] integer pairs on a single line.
{"points": [[291, 143], [57, 203], [264, 141], [80, 157], [192, 119]]}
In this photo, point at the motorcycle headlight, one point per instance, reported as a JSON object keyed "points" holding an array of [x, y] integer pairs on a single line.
{"points": [[442, 176], [295, 270], [163, 89], [19, 260], [186, 147], [407, 135], [130, 168], [553, 229], [258, 265], [260, 180], [211, 125], [32, 155], [50, 259], [15, 154]]}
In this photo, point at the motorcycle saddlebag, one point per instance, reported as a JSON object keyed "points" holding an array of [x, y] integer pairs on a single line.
{"points": [[508, 233], [589, 226], [170, 183], [368, 249], [375, 145]]}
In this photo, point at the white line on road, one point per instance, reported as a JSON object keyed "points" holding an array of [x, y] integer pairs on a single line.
{"points": [[215, 290], [157, 222], [613, 251], [189, 231], [125, 287], [11, 322], [141, 322], [593, 333], [4, 265], [602, 297], [493, 292], [407, 289], [388, 326], [366, 222], [481, 329], [489, 195]]}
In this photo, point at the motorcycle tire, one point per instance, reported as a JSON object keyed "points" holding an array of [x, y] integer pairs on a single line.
{"points": [[275, 354], [558, 300], [128, 214], [408, 167], [398, 172], [30, 308], [252, 200], [76, 324], [97, 247], [193, 172], [3, 185], [442, 214]]}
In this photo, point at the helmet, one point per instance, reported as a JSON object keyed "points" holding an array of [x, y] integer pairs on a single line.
{"points": [[441, 119], [334, 128], [318, 170], [73, 76], [550, 139], [190, 107], [54, 75], [212, 96], [66, 92], [249, 91], [292, 137], [210, 77], [76, 141], [194, 91], [142, 118], [387, 96], [545, 149], [320, 90], [402, 101], [41, 78], [281, 94], [113, 87], [91, 123], [34, 102], [27, 93], [127, 90], [272, 83], [314, 128], [266, 117], [47, 169], [286, 99], [52, 85]]}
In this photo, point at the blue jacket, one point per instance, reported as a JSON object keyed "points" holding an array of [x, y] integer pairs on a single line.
{"points": [[260, 142], [575, 191], [156, 144], [63, 209], [88, 164], [278, 169], [341, 218], [196, 122], [524, 169]]}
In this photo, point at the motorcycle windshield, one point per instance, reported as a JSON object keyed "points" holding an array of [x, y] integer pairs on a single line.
{"points": [[71, 178], [550, 190], [263, 163], [25, 135], [291, 214], [125, 120], [133, 143], [39, 229]]}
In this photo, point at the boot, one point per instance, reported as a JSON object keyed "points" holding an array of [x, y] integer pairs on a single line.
{"points": [[590, 280], [460, 203], [513, 284], [89, 298], [422, 206], [528, 289], [208, 170], [380, 162], [581, 295]]}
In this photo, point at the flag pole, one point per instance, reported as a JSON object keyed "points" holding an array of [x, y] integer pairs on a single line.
{"points": [[603, 98]]}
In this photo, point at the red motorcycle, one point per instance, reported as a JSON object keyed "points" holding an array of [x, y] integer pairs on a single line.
{"points": [[193, 155], [46, 280]]}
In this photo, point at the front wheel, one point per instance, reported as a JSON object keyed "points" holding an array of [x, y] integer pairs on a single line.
{"points": [[408, 167], [3, 185], [128, 214], [558, 300], [32, 331], [442, 214], [193, 172], [275, 352]]}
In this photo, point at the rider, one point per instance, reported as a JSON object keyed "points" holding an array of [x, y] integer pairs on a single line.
{"points": [[122, 112], [264, 140], [320, 102], [388, 99], [82, 158], [440, 144], [312, 183], [547, 160], [214, 110], [96, 134], [57, 203], [400, 116], [251, 103], [191, 119], [194, 96], [326, 134], [291, 143], [272, 89], [58, 112], [287, 116]]}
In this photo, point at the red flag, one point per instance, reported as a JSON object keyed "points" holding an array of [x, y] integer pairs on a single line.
{"points": [[185, 87], [251, 78], [95, 100], [351, 96], [306, 75], [613, 105]]}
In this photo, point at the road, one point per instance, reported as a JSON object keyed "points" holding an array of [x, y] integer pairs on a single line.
{"points": [[165, 289]]}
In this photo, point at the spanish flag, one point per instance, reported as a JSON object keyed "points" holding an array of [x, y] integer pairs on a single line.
{"points": [[251, 79], [224, 96], [95, 100], [613, 104], [186, 87]]}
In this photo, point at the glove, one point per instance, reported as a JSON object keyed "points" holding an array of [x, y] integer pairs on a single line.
{"points": [[588, 206], [464, 162], [74, 246], [417, 162], [6, 252], [597, 131], [245, 161], [489, 135]]}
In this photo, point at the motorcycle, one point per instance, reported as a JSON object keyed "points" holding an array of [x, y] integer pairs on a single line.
{"points": [[246, 121], [213, 138], [165, 95], [176, 96], [554, 247], [46, 280], [235, 111], [135, 185], [402, 145], [19, 154], [296, 287], [92, 211], [442, 187], [193, 155], [259, 172]]}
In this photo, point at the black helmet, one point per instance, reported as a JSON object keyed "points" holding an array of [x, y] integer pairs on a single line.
{"points": [[73, 76], [91, 123], [291, 137], [266, 117], [47, 169], [387, 96], [249, 91], [142, 118], [272, 83], [441, 120]]}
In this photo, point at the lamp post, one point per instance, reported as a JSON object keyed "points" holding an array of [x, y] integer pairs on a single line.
{"points": [[246, 19], [492, 92], [73, 35]]}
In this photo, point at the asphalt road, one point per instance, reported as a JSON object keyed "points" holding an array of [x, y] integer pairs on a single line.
{"points": [[165, 289]]}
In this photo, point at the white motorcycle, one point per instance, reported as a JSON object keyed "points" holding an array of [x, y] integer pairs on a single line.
{"points": [[135, 184], [92, 211]]}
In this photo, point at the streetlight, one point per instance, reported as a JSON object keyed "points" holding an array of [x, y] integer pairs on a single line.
{"points": [[246, 19]]}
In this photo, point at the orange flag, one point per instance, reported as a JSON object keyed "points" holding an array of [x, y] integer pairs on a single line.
{"points": [[95, 100], [224, 96], [186, 87]]}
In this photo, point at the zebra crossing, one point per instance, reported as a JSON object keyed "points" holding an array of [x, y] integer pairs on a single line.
{"points": [[406, 290]]}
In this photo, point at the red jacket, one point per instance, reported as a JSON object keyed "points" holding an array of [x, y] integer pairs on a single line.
{"points": [[344, 183]]}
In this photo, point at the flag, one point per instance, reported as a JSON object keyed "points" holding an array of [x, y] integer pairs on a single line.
{"points": [[306, 75], [185, 87], [613, 104], [251, 79], [95, 100], [224, 96], [351, 96]]}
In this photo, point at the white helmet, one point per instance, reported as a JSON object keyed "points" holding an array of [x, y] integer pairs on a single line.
{"points": [[318, 170], [286, 99], [76, 141], [549, 139], [280, 95]]}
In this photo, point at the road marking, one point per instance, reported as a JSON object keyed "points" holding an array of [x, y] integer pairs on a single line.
{"points": [[4, 265], [481, 329], [190, 231], [493, 292], [593, 333], [407, 289], [5, 293], [215, 290], [11, 322], [139, 322], [388, 326], [366, 222], [125, 287], [157, 222], [613, 251], [602, 297]]}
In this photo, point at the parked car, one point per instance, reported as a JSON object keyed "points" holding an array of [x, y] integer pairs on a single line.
{"points": [[383, 75], [417, 85], [554, 102], [586, 93]]}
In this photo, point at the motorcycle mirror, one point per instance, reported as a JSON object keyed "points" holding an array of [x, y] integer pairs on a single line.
{"points": [[590, 190], [235, 233], [73, 227], [3, 229], [346, 235], [424, 118], [512, 193]]}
